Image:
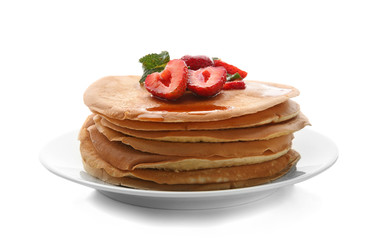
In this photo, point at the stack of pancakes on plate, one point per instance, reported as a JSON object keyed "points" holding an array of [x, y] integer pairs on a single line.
{"points": [[238, 138]]}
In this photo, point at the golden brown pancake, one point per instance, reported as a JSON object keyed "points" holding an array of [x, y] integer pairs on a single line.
{"points": [[236, 139], [214, 175], [228, 135], [278, 113], [234, 176], [131, 182], [122, 97], [211, 162], [125, 157], [200, 149], [206, 176]]}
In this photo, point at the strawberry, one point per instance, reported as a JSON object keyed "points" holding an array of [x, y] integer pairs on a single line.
{"points": [[230, 68], [234, 85], [197, 62], [207, 81], [169, 84]]}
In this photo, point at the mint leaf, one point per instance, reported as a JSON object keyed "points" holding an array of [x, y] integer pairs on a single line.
{"points": [[150, 71], [235, 76], [155, 60]]}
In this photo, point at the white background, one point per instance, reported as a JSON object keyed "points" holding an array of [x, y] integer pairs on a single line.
{"points": [[51, 51]]}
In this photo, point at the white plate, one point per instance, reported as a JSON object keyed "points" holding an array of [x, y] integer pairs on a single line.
{"points": [[62, 157]]}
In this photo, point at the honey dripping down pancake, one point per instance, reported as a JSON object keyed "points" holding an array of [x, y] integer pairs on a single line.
{"points": [[238, 138]]}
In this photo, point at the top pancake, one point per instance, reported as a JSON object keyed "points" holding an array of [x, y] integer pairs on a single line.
{"points": [[122, 97], [278, 113]]}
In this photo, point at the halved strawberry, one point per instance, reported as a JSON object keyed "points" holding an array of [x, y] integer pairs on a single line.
{"points": [[231, 69], [234, 85], [197, 62], [169, 84], [207, 81]]}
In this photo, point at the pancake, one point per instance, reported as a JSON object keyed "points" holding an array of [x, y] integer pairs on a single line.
{"points": [[122, 97], [199, 149], [215, 175], [211, 162], [278, 113], [228, 135], [267, 171], [131, 182], [125, 157], [235, 139]]}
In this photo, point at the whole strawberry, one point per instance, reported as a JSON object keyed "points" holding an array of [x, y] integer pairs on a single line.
{"points": [[197, 62]]}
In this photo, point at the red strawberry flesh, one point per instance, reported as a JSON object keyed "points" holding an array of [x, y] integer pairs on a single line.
{"points": [[197, 62], [207, 82], [231, 69], [169, 84], [234, 85]]}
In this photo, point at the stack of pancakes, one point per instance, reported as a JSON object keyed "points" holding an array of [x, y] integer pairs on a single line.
{"points": [[238, 138]]}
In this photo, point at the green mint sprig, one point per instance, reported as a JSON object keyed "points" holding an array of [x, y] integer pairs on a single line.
{"points": [[154, 62]]}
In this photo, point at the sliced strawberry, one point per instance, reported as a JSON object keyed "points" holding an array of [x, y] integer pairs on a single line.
{"points": [[197, 62], [207, 81], [230, 68], [169, 84], [234, 85]]}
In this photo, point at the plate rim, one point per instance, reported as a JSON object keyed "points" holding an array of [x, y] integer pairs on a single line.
{"points": [[187, 194]]}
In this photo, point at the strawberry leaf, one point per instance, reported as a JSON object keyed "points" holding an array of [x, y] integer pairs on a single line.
{"points": [[235, 76]]}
